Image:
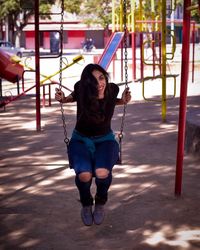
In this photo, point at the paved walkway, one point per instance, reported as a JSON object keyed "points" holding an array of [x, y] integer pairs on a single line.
{"points": [[39, 208]]}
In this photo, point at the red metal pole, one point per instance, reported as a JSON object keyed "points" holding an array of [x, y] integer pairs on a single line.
{"points": [[153, 50], [193, 49], [134, 55], [43, 96], [37, 66], [141, 56], [114, 67], [49, 95], [122, 60], [183, 97]]}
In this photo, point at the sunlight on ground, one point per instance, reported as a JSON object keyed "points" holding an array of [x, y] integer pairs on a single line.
{"points": [[167, 236], [126, 170], [18, 148], [135, 170], [18, 234], [167, 126], [32, 125], [158, 133], [140, 132], [30, 243], [123, 186], [58, 164]]}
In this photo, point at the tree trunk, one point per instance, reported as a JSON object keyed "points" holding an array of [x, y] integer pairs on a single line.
{"points": [[17, 38], [7, 29]]}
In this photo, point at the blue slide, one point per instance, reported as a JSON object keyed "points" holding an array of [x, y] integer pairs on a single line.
{"points": [[111, 49]]}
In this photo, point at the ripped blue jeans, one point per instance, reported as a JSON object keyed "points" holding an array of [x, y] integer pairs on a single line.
{"points": [[86, 154]]}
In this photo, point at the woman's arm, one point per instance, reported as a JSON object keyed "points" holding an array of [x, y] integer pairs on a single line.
{"points": [[119, 101], [126, 97], [60, 96]]}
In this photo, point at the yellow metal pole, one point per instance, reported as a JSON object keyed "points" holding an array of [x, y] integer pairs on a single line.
{"points": [[113, 15], [152, 6], [158, 17], [75, 60], [140, 16], [121, 15], [153, 14], [163, 46], [133, 15]]}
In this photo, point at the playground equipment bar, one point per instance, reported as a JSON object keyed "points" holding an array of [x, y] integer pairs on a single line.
{"points": [[37, 67], [183, 97], [163, 66]]}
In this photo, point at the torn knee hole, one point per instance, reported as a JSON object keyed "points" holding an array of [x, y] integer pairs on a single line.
{"points": [[102, 173], [102, 176], [85, 177]]}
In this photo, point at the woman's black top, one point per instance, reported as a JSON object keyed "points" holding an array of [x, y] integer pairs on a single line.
{"points": [[87, 126]]}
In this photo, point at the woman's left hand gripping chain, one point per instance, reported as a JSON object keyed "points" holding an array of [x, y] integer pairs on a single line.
{"points": [[126, 96]]}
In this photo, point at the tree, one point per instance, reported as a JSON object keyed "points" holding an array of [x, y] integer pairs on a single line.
{"points": [[73, 6], [195, 15], [17, 14], [97, 12]]}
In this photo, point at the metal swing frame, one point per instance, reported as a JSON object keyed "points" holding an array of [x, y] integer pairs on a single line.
{"points": [[120, 135]]}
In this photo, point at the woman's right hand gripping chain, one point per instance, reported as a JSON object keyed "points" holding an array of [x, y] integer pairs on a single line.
{"points": [[59, 95]]}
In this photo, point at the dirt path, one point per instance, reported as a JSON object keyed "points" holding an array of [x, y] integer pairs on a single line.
{"points": [[39, 208], [39, 202]]}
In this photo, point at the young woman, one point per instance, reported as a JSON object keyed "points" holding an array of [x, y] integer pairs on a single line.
{"points": [[93, 150]]}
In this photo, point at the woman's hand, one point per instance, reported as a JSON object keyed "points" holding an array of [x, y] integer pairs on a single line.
{"points": [[126, 96], [59, 95]]}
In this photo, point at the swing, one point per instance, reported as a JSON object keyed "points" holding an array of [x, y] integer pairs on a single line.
{"points": [[120, 135]]}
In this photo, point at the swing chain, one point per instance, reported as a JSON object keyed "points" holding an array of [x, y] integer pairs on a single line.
{"points": [[66, 139], [120, 135]]}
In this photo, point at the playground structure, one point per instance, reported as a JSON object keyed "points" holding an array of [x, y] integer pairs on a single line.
{"points": [[111, 49], [152, 33], [155, 33], [11, 70], [39, 208], [14, 70]]}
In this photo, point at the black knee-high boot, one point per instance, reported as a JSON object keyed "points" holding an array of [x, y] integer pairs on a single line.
{"points": [[103, 185], [84, 191]]}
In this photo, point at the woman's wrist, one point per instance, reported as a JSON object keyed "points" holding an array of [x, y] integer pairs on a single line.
{"points": [[120, 101], [67, 99]]}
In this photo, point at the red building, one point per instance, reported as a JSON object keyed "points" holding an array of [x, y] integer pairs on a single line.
{"points": [[74, 34]]}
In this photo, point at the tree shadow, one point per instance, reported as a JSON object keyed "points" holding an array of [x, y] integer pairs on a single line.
{"points": [[39, 208]]}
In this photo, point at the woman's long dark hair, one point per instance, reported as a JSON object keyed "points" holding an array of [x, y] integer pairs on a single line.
{"points": [[91, 107]]}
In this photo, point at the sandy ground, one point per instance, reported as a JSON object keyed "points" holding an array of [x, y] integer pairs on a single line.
{"points": [[39, 206]]}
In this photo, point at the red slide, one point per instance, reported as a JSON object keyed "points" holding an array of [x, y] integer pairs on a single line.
{"points": [[9, 69]]}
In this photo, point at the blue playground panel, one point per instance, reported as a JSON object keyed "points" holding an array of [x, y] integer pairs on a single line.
{"points": [[111, 49]]}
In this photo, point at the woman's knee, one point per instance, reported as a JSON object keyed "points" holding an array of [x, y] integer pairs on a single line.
{"points": [[102, 173], [85, 176]]}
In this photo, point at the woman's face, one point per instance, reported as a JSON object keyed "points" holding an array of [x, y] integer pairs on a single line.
{"points": [[101, 82]]}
